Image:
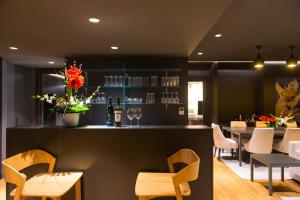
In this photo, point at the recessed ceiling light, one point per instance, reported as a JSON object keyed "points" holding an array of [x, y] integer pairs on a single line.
{"points": [[200, 53], [51, 62], [114, 47], [94, 20], [218, 35], [13, 48]]}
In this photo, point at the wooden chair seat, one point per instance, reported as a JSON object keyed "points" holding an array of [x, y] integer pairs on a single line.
{"points": [[49, 184], [158, 184]]}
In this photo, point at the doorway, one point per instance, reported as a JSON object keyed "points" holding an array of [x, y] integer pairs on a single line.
{"points": [[195, 102]]}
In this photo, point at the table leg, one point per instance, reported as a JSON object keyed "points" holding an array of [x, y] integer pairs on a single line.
{"points": [[251, 170], [240, 149], [270, 181], [282, 173]]}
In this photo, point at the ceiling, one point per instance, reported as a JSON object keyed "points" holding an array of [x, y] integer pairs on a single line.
{"points": [[50, 30], [274, 24]]}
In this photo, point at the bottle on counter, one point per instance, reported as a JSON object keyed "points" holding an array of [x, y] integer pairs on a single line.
{"points": [[109, 113], [118, 114]]}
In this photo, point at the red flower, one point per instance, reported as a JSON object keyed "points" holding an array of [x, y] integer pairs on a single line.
{"points": [[75, 82], [73, 72], [272, 119], [264, 118]]}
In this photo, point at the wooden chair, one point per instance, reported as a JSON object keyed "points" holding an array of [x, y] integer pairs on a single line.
{"points": [[52, 185], [152, 185]]}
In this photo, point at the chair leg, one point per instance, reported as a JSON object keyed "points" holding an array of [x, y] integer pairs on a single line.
{"points": [[78, 190], [219, 154], [232, 153], [215, 151]]}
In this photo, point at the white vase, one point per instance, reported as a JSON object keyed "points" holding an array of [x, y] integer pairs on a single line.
{"points": [[71, 119]]}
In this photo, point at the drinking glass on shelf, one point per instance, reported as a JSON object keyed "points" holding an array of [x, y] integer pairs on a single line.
{"points": [[171, 98], [163, 99], [176, 99], [138, 115], [120, 80], [111, 80], [130, 115], [103, 98], [116, 81], [129, 81], [106, 81]]}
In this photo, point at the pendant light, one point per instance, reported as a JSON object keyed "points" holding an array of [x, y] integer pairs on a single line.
{"points": [[291, 62], [259, 61]]}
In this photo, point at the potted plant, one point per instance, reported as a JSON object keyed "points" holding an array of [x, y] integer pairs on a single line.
{"points": [[71, 105], [273, 121]]}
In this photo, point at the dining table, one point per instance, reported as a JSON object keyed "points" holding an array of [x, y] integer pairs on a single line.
{"points": [[243, 133]]}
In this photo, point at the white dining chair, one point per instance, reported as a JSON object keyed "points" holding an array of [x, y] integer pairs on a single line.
{"points": [[291, 134], [261, 141], [221, 142], [238, 124]]}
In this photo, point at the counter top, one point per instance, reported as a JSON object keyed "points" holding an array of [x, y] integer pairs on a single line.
{"points": [[120, 128]]}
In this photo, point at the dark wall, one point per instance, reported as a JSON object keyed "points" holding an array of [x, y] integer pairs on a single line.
{"points": [[238, 88]]}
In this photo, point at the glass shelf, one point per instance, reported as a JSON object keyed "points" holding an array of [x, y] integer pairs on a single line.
{"points": [[136, 87]]}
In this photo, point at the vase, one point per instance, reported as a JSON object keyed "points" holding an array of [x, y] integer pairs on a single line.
{"points": [[71, 119]]}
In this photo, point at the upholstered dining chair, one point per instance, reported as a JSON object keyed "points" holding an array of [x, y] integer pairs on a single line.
{"points": [[45, 185], [261, 141], [150, 185], [238, 124], [221, 142], [291, 134]]}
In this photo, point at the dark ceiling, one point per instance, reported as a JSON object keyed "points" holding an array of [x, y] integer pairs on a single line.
{"points": [[275, 24], [51, 30]]}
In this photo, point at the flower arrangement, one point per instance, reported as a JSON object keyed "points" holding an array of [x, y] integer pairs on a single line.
{"points": [[71, 102], [273, 121]]}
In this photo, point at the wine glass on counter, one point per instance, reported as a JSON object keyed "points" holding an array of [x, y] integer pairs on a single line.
{"points": [[130, 115], [138, 115]]}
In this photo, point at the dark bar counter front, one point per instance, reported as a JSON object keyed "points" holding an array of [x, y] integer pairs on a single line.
{"points": [[111, 158]]}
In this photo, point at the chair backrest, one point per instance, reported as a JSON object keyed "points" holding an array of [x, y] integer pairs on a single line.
{"points": [[261, 140], [14, 164], [260, 124], [291, 124], [238, 124], [291, 134], [188, 173], [218, 136]]}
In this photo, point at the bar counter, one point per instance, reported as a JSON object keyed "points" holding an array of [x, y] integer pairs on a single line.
{"points": [[111, 158]]}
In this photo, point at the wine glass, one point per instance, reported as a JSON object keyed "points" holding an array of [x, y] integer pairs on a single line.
{"points": [[163, 99], [130, 115], [176, 98], [138, 115]]}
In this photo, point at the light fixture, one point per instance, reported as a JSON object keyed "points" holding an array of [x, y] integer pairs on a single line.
{"points": [[200, 53], [51, 62], [13, 48], [114, 47], [259, 61], [291, 62], [218, 35], [94, 20]]}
